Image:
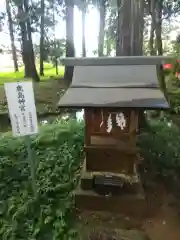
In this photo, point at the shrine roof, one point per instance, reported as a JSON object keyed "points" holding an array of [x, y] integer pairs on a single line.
{"points": [[111, 83]]}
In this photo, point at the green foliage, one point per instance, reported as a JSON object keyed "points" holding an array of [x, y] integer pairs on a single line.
{"points": [[53, 49], [57, 152], [161, 149], [173, 84], [56, 48], [174, 99], [2, 16]]}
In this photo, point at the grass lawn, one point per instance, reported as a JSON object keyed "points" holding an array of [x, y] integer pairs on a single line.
{"points": [[49, 72], [47, 95], [47, 91]]}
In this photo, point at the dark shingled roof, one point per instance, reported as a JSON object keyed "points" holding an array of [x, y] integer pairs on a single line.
{"points": [[114, 86]]}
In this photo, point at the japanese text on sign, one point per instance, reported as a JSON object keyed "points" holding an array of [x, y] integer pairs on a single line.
{"points": [[22, 110]]}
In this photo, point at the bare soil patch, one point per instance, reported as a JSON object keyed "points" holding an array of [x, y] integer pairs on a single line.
{"points": [[163, 225]]}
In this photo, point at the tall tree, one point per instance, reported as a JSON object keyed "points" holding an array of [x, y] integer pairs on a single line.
{"points": [[83, 6], [155, 40], [130, 27], [137, 27], [159, 14], [56, 42], [123, 46], [153, 27], [111, 28], [24, 17], [159, 10], [70, 51], [11, 33], [24, 40], [102, 14], [84, 9], [42, 32]]}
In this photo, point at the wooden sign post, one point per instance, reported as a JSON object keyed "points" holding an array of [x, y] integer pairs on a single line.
{"points": [[22, 111]]}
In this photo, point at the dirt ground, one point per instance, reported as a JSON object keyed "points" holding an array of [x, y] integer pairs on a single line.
{"points": [[163, 225]]}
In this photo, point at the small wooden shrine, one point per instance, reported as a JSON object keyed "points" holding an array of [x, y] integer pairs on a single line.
{"points": [[112, 92]]}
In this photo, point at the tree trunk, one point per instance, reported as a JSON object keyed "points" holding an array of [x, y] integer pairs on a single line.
{"points": [[70, 52], [123, 46], [102, 11], [11, 32], [24, 44], [118, 32], [137, 27], [152, 47], [54, 33], [159, 8], [32, 66], [56, 65], [83, 32], [42, 40], [151, 39], [130, 27]]}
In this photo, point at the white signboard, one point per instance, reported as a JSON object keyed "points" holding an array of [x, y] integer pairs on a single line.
{"points": [[22, 110]]}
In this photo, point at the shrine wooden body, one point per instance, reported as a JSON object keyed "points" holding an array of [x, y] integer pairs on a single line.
{"points": [[113, 151]]}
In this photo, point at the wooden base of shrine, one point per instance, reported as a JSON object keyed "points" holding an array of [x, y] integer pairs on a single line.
{"points": [[130, 204], [132, 183], [131, 201]]}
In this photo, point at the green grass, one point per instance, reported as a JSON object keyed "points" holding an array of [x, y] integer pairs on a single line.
{"points": [[47, 94], [49, 72]]}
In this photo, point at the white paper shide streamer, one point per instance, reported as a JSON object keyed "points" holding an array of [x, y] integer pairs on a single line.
{"points": [[109, 124], [120, 121]]}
